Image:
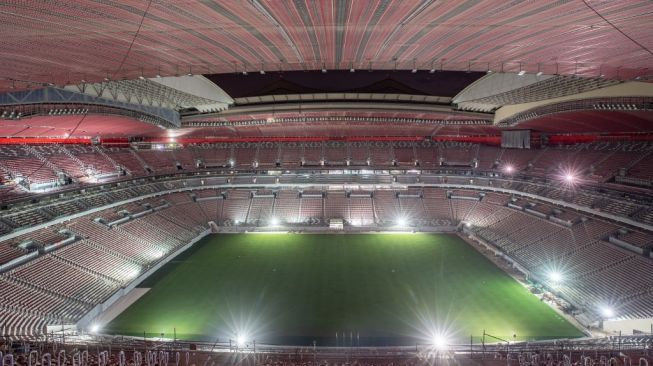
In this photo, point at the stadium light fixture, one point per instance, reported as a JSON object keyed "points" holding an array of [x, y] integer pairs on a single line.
{"points": [[521, 73], [439, 342], [274, 221], [241, 341], [569, 178], [509, 169], [401, 221], [555, 276], [94, 328], [607, 312], [468, 224]]}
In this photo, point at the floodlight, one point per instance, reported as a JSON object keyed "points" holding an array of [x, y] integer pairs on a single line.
{"points": [[274, 221], [414, 71], [468, 224], [570, 178], [94, 328], [241, 341], [521, 73], [509, 169], [607, 312], [439, 341], [352, 70], [555, 276], [401, 221], [539, 73], [231, 162]]}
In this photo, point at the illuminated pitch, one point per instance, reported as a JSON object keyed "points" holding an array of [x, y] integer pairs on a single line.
{"points": [[368, 289]]}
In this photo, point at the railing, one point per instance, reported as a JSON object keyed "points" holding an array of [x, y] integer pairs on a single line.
{"points": [[382, 179]]}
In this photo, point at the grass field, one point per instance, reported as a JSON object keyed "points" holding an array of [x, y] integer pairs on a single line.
{"points": [[384, 289]]}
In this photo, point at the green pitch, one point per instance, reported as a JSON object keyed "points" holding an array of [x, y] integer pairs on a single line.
{"points": [[371, 289]]}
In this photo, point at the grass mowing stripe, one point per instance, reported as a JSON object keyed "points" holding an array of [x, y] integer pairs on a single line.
{"points": [[294, 288]]}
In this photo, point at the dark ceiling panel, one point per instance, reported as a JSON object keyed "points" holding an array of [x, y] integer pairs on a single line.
{"points": [[439, 83]]}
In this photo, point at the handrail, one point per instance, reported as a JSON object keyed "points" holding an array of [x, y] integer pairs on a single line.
{"points": [[587, 210]]}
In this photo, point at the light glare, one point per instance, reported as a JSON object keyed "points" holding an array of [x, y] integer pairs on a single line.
{"points": [[555, 276], [607, 312], [241, 341], [440, 341]]}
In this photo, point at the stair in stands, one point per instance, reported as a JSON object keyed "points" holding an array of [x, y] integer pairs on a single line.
{"points": [[140, 160], [109, 159], [45, 160], [72, 157]]}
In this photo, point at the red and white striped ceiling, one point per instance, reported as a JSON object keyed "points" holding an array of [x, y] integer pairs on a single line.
{"points": [[74, 40]]}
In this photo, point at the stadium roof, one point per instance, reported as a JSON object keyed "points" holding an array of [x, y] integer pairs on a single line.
{"points": [[276, 57], [75, 40]]}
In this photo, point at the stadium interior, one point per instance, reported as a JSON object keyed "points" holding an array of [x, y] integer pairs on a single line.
{"points": [[298, 182]]}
